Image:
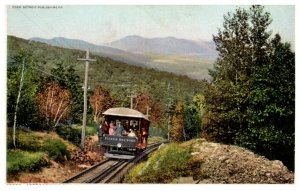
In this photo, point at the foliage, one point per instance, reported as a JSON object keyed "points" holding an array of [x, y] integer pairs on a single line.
{"points": [[192, 117], [251, 99], [26, 114], [54, 104], [69, 133], [56, 149], [100, 101], [18, 160], [65, 75], [169, 162], [272, 107], [72, 133], [144, 100], [177, 132], [119, 78]]}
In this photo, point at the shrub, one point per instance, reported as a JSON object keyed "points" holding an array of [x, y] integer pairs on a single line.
{"points": [[56, 150], [24, 140], [73, 133], [18, 160], [69, 133]]}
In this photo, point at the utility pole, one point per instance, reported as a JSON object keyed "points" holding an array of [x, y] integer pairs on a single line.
{"points": [[147, 113], [131, 100], [87, 60]]}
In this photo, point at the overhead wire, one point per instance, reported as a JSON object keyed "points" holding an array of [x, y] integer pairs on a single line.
{"points": [[45, 31], [120, 83]]}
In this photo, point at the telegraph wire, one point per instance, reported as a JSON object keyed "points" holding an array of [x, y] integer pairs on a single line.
{"points": [[45, 31], [118, 83]]}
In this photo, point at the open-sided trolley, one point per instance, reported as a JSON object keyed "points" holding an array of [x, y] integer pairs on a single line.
{"points": [[133, 137]]}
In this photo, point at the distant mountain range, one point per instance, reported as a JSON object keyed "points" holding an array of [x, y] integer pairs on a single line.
{"points": [[167, 45], [181, 56]]}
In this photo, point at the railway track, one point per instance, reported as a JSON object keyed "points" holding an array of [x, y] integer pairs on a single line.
{"points": [[110, 170]]}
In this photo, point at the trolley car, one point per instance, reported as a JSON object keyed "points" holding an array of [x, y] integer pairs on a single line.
{"points": [[124, 132]]}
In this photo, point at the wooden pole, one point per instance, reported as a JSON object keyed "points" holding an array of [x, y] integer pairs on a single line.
{"points": [[131, 100], [87, 60]]}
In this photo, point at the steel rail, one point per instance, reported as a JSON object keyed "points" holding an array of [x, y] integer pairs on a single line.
{"points": [[111, 172], [86, 171], [133, 161]]}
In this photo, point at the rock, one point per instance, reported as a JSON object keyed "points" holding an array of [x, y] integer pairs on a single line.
{"points": [[233, 164], [184, 180]]}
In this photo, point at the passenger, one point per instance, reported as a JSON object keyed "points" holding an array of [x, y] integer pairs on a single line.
{"points": [[105, 127], [144, 136], [111, 128], [119, 129], [131, 133], [134, 125]]}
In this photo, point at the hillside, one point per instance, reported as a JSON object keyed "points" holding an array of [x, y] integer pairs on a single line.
{"points": [[201, 162], [120, 78]]}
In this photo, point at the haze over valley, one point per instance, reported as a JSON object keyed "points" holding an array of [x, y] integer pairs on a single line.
{"points": [[180, 56]]}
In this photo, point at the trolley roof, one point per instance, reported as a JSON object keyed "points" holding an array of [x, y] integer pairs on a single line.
{"points": [[125, 112]]}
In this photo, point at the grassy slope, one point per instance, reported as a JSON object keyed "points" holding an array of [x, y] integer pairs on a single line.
{"points": [[169, 162], [34, 150]]}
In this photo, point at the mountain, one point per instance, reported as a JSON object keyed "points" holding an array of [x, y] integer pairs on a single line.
{"points": [[166, 45], [180, 56], [105, 51]]}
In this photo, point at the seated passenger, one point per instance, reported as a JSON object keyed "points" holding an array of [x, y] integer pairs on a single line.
{"points": [[131, 133], [105, 127], [111, 130], [119, 129]]}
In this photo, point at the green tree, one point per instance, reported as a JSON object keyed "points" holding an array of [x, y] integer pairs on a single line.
{"points": [[66, 76], [271, 112], [73, 84], [251, 99], [193, 112], [26, 112]]}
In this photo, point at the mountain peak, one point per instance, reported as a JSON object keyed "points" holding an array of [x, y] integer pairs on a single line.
{"points": [[164, 45]]}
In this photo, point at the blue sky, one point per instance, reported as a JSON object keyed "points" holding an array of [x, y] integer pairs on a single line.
{"points": [[102, 24]]}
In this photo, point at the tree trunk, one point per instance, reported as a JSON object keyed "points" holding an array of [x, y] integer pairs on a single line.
{"points": [[18, 99]]}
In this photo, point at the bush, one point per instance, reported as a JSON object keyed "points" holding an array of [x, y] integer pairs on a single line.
{"points": [[169, 162], [70, 133], [29, 141], [18, 160], [56, 150], [24, 140], [73, 133]]}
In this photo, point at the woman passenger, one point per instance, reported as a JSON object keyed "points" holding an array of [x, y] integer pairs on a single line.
{"points": [[111, 130]]}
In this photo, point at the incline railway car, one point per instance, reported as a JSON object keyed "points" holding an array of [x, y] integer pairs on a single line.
{"points": [[124, 132]]}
